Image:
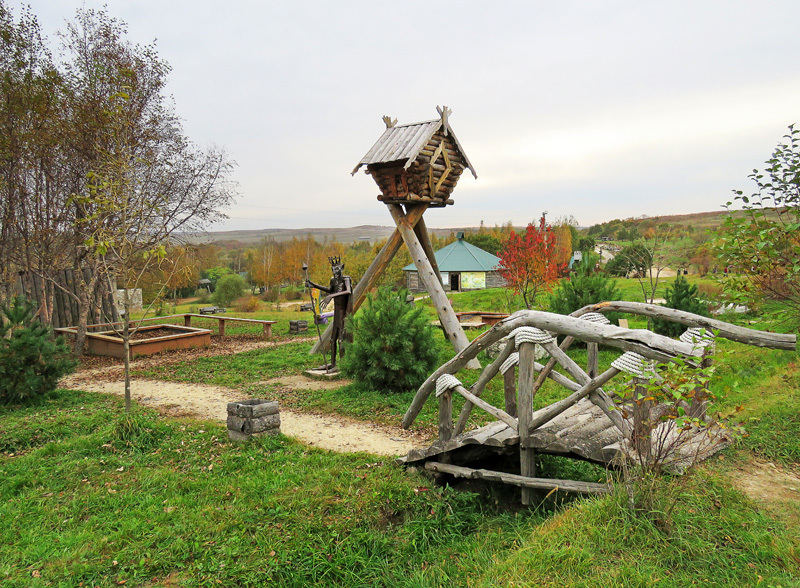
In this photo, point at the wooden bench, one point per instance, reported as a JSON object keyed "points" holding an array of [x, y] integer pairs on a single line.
{"points": [[187, 321], [211, 310]]}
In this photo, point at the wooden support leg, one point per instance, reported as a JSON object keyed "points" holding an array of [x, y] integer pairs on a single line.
{"points": [[187, 320], [421, 231], [433, 284], [527, 375], [221, 327], [267, 330]]}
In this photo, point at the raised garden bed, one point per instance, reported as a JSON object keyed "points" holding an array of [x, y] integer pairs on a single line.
{"points": [[148, 340], [487, 318]]}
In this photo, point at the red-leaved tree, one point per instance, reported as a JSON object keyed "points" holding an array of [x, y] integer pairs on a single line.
{"points": [[527, 262]]}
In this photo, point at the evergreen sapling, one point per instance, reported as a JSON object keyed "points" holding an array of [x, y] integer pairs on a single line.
{"points": [[31, 359], [394, 348]]}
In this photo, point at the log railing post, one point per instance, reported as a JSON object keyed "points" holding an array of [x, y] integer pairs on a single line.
{"points": [[446, 416], [704, 339], [527, 455], [697, 408], [592, 360], [187, 320], [642, 425], [510, 391]]}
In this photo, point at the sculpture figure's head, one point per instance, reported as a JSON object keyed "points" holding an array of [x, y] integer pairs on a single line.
{"points": [[336, 265]]}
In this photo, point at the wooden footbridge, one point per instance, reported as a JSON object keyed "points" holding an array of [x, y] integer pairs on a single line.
{"points": [[588, 424]]}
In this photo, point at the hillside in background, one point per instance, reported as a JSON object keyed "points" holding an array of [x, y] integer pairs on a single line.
{"points": [[694, 222], [367, 233], [701, 221]]}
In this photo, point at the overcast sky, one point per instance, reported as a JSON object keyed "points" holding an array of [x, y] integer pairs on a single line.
{"points": [[598, 110]]}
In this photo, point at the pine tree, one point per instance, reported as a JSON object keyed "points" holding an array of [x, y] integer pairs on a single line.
{"points": [[31, 359], [394, 348], [584, 287], [680, 296]]}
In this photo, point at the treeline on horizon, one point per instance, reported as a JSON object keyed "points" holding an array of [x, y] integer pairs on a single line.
{"points": [[272, 265]]}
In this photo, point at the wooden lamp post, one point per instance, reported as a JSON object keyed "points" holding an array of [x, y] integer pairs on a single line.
{"points": [[416, 167]]}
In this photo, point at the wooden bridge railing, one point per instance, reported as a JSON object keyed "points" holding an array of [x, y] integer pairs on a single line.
{"points": [[527, 329]]}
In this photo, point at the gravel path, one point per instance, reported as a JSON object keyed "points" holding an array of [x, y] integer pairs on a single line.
{"points": [[202, 401]]}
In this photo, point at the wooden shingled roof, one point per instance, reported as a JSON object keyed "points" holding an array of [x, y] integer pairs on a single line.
{"points": [[404, 143]]}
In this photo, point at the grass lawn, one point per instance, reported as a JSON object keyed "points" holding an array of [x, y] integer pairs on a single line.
{"points": [[90, 497]]}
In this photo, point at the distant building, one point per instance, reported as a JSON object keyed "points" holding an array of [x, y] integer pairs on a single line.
{"points": [[577, 257], [462, 267]]}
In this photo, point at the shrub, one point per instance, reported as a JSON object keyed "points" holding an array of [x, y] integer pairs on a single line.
{"points": [[759, 244], [271, 295], [680, 296], [709, 291], [202, 295], [31, 359], [635, 259], [293, 294], [394, 348], [229, 288], [248, 304]]}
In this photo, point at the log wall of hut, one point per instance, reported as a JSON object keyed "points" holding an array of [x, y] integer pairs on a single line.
{"points": [[415, 285], [59, 299], [414, 184]]}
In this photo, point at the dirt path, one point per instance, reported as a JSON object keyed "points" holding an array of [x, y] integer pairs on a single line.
{"points": [[770, 485], [210, 402]]}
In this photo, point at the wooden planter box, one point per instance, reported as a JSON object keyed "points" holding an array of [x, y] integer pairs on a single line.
{"points": [[489, 318], [176, 337]]}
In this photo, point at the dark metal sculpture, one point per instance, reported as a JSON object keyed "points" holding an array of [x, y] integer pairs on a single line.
{"points": [[340, 291]]}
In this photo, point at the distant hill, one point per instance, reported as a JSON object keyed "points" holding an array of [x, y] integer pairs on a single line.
{"points": [[369, 233], [373, 233], [698, 221]]}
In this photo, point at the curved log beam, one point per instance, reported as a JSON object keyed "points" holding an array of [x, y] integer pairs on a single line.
{"points": [[723, 329]]}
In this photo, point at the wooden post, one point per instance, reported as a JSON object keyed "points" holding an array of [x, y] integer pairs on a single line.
{"points": [[373, 274], [527, 456], [592, 360], [433, 284], [697, 408], [641, 420], [267, 330], [187, 320], [446, 416], [221, 327], [510, 390]]}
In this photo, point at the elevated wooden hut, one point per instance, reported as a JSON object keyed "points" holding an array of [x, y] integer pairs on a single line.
{"points": [[416, 166], [417, 162]]}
